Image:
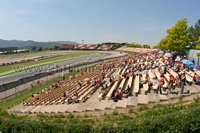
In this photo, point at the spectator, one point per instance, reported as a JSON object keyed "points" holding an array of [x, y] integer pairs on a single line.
{"points": [[64, 94], [183, 78], [117, 96], [193, 61], [74, 98], [177, 79], [63, 76], [195, 77], [38, 81], [171, 81], [160, 84], [197, 81], [88, 82], [126, 91]]}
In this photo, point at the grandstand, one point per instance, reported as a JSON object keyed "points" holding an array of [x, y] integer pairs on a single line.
{"points": [[66, 46], [105, 47], [137, 50], [85, 47], [101, 85]]}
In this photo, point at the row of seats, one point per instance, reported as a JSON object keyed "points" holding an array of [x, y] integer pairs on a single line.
{"points": [[55, 94]]}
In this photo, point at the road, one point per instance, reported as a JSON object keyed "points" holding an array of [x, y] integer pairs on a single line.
{"points": [[32, 72]]}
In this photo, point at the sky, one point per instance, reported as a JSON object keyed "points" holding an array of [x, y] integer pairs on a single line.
{"points": [[94, 21]]}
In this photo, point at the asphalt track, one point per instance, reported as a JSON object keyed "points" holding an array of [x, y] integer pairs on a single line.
{"points": [[69, 61]]}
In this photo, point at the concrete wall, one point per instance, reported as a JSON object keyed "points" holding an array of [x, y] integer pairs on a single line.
{"points": [[193, 54]]}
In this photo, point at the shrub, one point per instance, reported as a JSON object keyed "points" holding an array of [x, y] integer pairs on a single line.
{"points": [[196, 99], [86, 115], [142, 107], [105, 114], [158, 105], [180, 98], [130, 110], [115, 112], [70, 116], [61, 116]]}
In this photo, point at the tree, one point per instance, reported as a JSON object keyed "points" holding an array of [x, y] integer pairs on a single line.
{"points": [[135, 45], [194, 31], [40, 49], [198, 54], [146, 46], [178, 38], [163, 44], [198, 45], [56, 47], [155, 47]]}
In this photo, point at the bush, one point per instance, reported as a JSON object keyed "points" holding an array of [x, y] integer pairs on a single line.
{"points": [[70, 116], [86, 115], [158, 105], [142, 107], [115, 112], [78, 128], [167, 119], [104, 128], [130, 110], [105, 114]]}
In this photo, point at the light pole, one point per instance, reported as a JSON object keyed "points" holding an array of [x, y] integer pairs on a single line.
{"points": [[82, 42]]}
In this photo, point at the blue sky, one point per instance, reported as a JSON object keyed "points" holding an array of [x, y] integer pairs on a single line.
{"points": [[94, 21]]}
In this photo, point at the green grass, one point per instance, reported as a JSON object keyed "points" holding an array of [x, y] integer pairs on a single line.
{"points": [[10, 102], [142, 107], [115, 112], [130, 111], [9, 69]]}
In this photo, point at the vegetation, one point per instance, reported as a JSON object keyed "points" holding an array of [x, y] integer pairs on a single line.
{"points": [[118, 45], [39, 49], [159, 118], [115, 45], [172, 118], [135, 45], [198, 43], [194, 31], [198, 55], [181, 37], [178, 38]]}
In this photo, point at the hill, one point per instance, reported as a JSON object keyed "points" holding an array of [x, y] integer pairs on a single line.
{"points": [[31, 43]]}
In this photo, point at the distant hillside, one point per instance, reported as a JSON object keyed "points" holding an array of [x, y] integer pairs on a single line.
{"points": [[30, 43]]}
